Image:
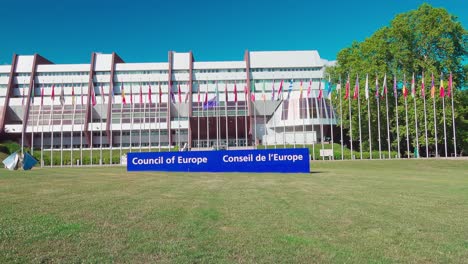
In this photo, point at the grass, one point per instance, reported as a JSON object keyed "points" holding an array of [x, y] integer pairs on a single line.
{"points": [[393, 211]]}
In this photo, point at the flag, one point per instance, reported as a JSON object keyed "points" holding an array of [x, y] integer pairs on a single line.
{"points": [[384, 91], [263, 91], [149, 94], [206, 94], [413, 87], [300, 91], [356, 88], [442, 90], [102, 95], [309, 89], [22, 96], [449, 87], [366, 89], [122, 93], [235, 92], [432, 87], [199, 92], [347, 89], [395, 92], [290, 88], [42, 95], [52, 95], [273, 91], [32, 93], [160, 93], [280, 91], [186, 96], [252, 91], [93, 96], [405, 90], [212, 103], [320, 90], [62, 96], [179, 94], [73, 94], [111, 90], [377, 87], [245, 93], [141, 95], [226, 92], [423, 88], [329, 88], [131, 94]]}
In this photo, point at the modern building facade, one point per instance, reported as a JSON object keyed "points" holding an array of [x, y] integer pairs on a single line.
{"points": [[268, 98]]}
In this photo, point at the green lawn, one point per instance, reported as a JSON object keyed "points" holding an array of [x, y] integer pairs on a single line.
{"points": [[393, 211]]}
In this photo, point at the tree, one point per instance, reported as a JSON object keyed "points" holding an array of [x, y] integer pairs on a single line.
{"points": [[423, 41]]}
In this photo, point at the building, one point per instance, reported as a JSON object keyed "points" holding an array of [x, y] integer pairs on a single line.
{"points": [[181, 102]]}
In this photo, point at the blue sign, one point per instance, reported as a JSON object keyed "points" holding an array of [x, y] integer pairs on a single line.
{"points": [[268, 160]]}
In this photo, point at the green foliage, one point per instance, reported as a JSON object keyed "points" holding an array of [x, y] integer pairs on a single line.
{"points": [[427, 40]]}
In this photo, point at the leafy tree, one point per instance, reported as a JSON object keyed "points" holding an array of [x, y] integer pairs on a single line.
{"points": [[420, 42]]}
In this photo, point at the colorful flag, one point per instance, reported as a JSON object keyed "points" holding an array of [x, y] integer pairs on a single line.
{"points": [[206, 95], [32, 93], [179, 94], [52, 95], [432, 87], [290, 88], [160, 93], [252, 91], [320, 90], [102, 95], [442, 90], [42, 95], [309, 89], [141, 95], [366, 89], [413, 87], [73, 94], [329, 88], [377, 87], [405, 90], [356, 88], [93, 96], [449, 87], [149, 94], [62, 96], [423, 88], [347, 89], [300, 91], [235, 92], [122, 93], [226, 92], [280, 91]]}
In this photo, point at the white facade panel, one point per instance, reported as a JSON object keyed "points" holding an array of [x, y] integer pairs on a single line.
{"points": [[198, 65], [285, 59], [24, 63], [103, 62], [180, 61], [62, 68], [142, 66], [5, 68]]}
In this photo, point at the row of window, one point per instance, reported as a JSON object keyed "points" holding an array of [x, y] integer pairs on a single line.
{"points": [[61, 73]]}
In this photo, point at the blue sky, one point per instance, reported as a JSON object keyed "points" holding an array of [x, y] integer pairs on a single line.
{"points": [[141, 30]]}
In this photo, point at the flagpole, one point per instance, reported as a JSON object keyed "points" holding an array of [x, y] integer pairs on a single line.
{"points": [[413, 92], [226, 114], [274, 112], [131, 116], [33, 126], [144, 121], [62, 101], [41, 116], [254, 132], [304, 116], [139, 111], [22, 119], [158, 112], [82, 127], [207, 117], [423, 94], [435, 118], [100, 125], [443, 111], [395, 94], [388, 122], [73, 124], [368, 116], [265, 132], [321, 116], [247, 101], [451, 94], [359, 117], [407, 129], [331, 117], [341, 122], [51, 121], [178, 116], [110, 137], [121, 127], [149, 115], [235, 100], [350, 120], [377, 97], [93, 101], [198, 115]]}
